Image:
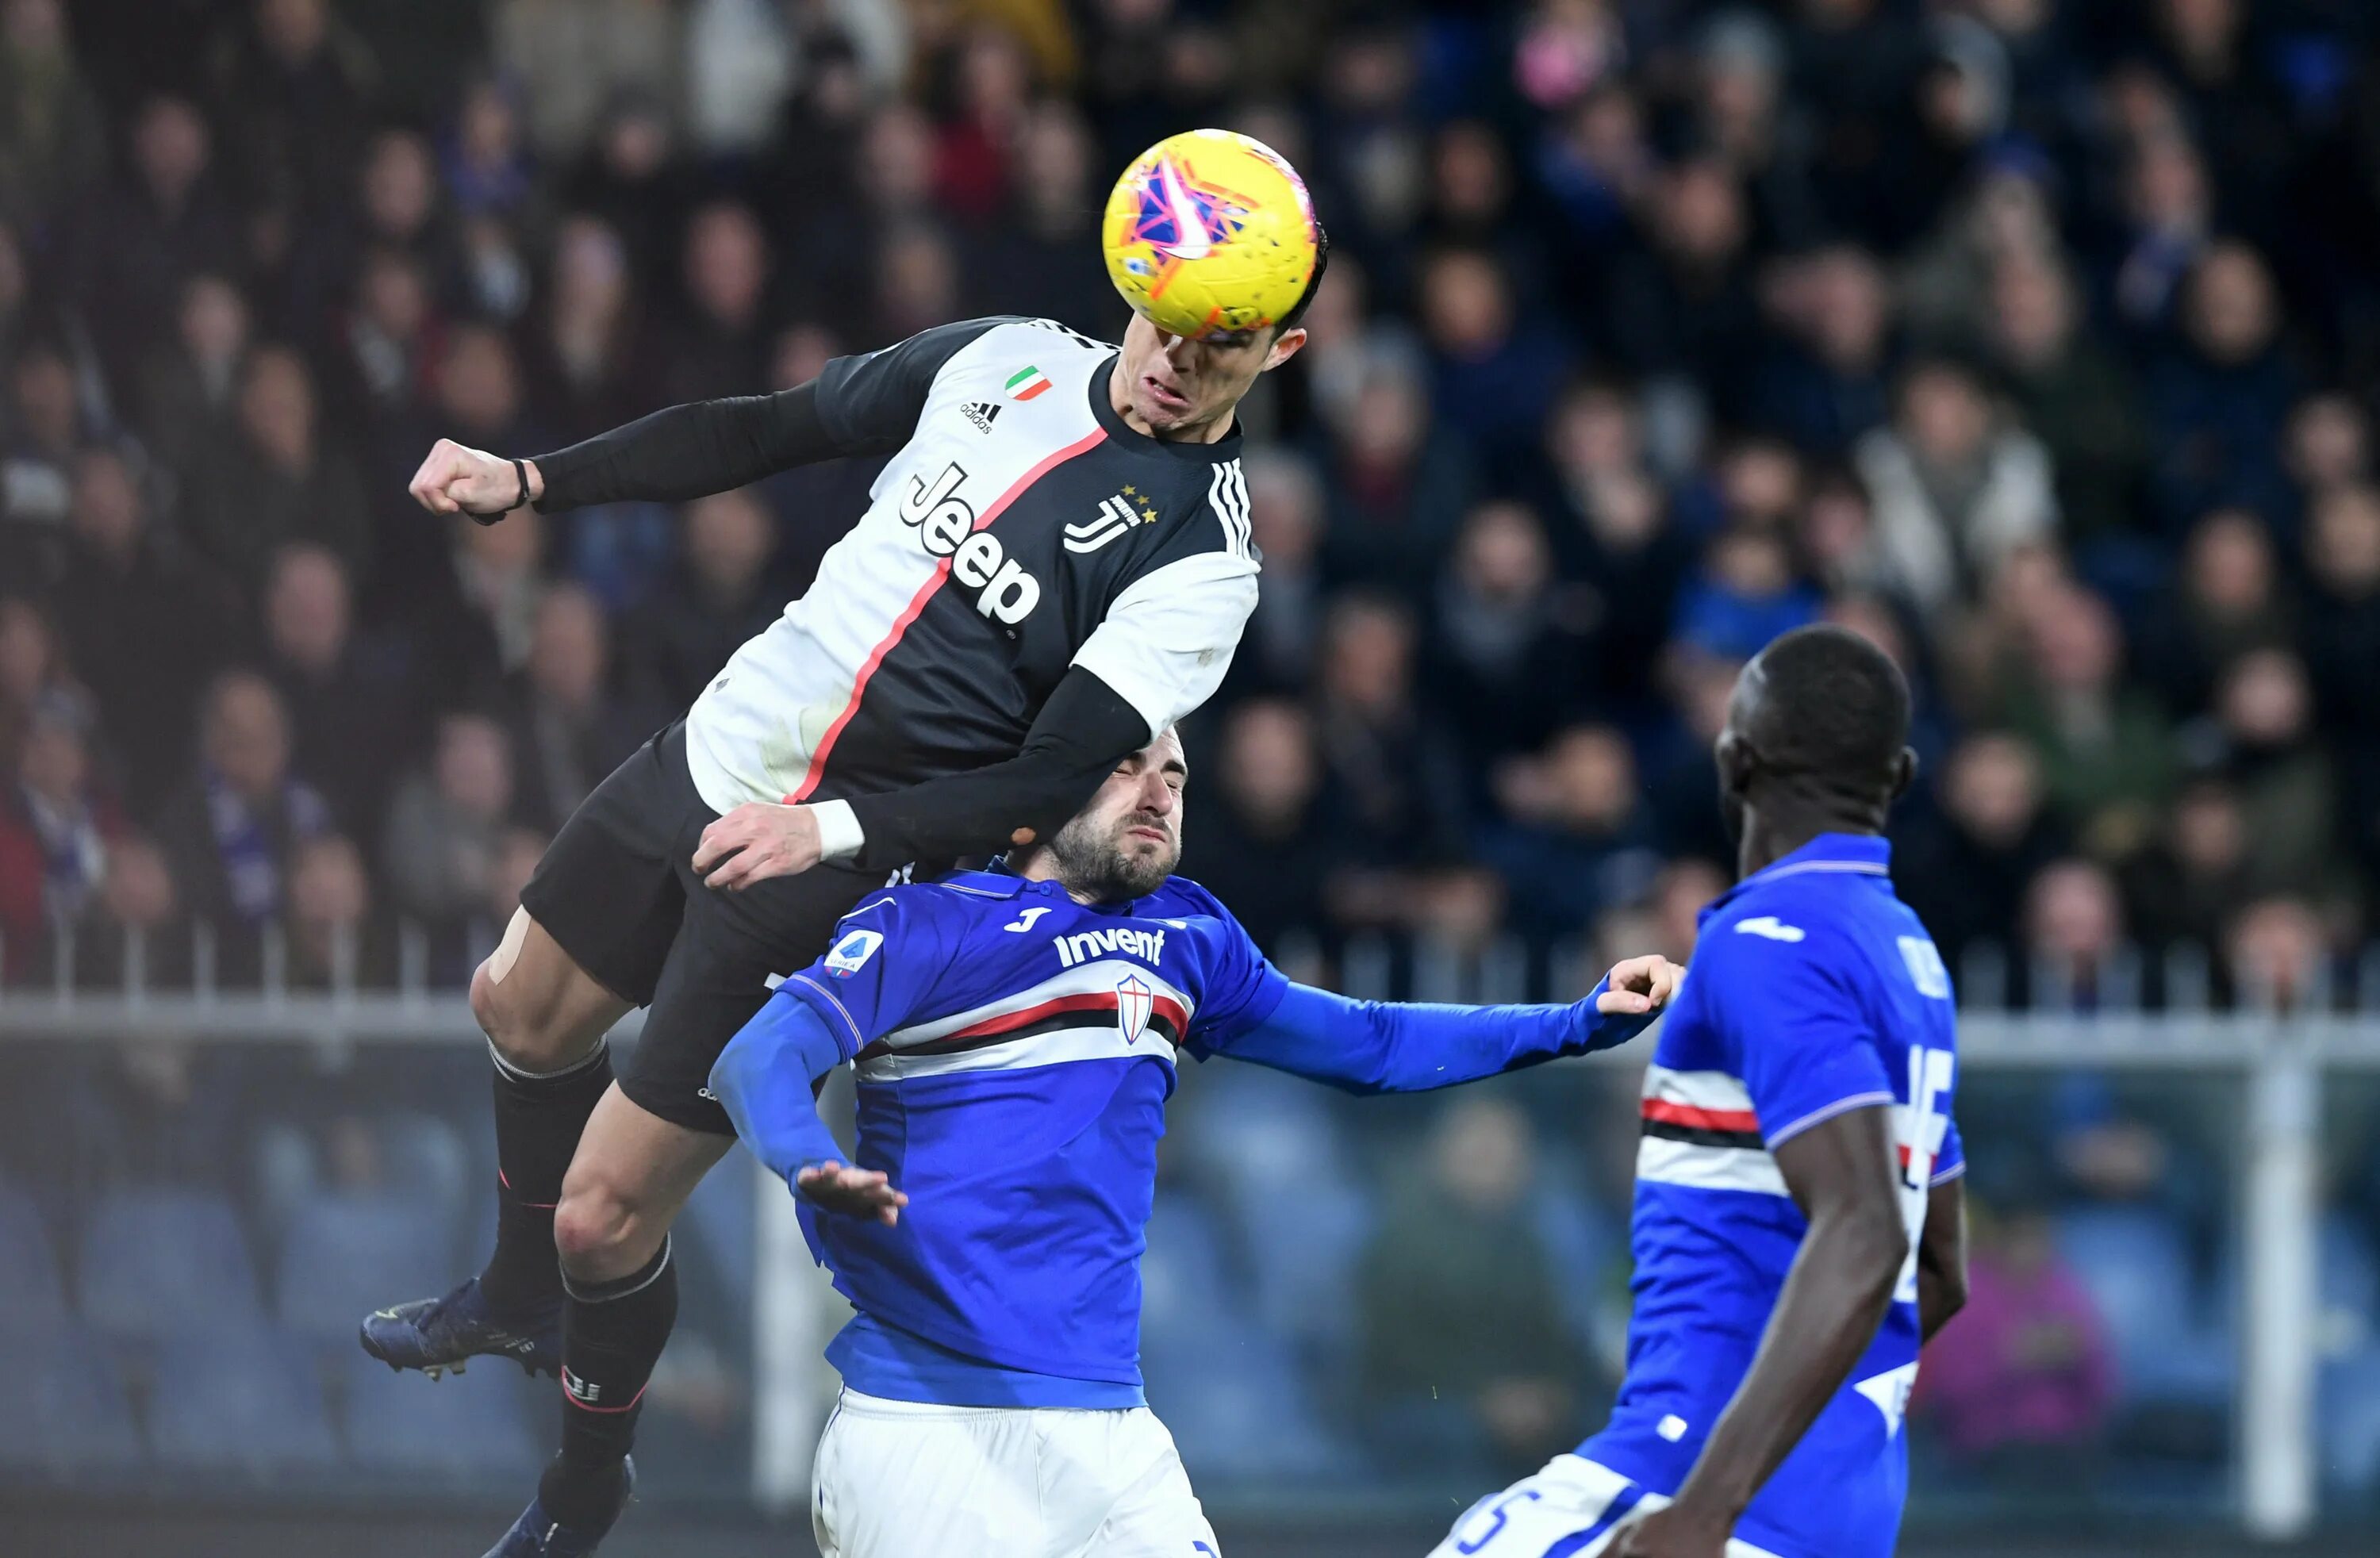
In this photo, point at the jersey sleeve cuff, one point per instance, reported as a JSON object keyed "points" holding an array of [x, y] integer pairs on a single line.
{"points": [[840, 835], [1786, 1133]]}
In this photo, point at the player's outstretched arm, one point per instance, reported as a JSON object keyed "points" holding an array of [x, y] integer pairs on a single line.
{"points": [[1841, 1172], [1409, 1046], [767, 1080]]}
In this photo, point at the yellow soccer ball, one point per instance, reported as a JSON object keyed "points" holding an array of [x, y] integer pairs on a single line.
{"points": [[1208, 232]]}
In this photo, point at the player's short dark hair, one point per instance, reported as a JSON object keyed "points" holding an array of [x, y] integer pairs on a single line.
{"points": [[1832, 705], [1296, 314]]}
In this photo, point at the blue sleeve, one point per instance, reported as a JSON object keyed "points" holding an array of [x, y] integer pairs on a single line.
{"points": [[1240, 987], [1800, 1034], [879, 968], [767, 1080], [1394, 1047], [1951, 1162]]}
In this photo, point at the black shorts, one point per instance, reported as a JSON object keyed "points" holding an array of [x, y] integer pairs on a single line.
{"points": [[617, 890]]}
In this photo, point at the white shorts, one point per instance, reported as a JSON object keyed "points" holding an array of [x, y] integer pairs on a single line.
{"points": [[904, 1479], [1572, 1509]]}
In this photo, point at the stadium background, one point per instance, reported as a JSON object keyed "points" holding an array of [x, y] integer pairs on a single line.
{"points": [[2038, 340]]}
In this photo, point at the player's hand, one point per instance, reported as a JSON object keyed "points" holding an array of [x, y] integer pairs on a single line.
{"points": [[755, 841], [1639, 985], [851, 1190], [455, 479], [1673, 1532]]}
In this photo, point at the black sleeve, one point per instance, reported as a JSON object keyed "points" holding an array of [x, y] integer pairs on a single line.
{"points": [[1083, 731], [871, 402], [866, 405]]}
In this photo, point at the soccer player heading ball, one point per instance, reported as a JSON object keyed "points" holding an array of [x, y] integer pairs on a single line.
{"points": [[1054, 566]]}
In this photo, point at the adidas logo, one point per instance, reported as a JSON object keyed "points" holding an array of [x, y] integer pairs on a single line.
{"points": [[982, 413]]}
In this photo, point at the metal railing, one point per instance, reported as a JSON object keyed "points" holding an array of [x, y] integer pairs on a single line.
{"points": [[2281, 1058]]}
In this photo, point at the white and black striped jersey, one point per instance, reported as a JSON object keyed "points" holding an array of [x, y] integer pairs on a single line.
{"points": [[1020, 529]]}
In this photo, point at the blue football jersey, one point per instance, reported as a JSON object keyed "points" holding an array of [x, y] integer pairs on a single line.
{"points": [[1015, 1052], [1813, 990]]}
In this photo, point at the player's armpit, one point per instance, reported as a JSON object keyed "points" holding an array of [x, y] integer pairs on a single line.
{"points": [[1942, 1256], [1841, 1174]]}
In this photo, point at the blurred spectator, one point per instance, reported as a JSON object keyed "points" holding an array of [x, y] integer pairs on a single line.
{"points": [[567, 731], [2342, 620], [382, 357], [38, 434], [2073, 930], [34, 668], [486, 166], [1744, 595], [2330, 446], [1581, 839], [448, 825], [1285, 514], [1966, 870], [2073, 394], [1397, 486], [720, 594], [291, 87], [53, 137], [2023, 1383], [2105, 749], [56, 828], [1513, 644], [1954, 487], [719, 346], [351, 717], [1493, 370], [2218, 403], [2167, 211], [331, 944], [144, 629], [277, 482], [189, 383], [575, 58], [2187, 881], [139, 242], [2279, 953], [2227, 599], [1684, 305], [1383, 750], [582, 348], [1616, 530], [1465, 1358], [1259, 833], [2262, 734], [1829, 385], [231, 833]]}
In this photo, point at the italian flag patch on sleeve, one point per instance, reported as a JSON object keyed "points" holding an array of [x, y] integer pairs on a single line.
{"points": [[1027, 383]]}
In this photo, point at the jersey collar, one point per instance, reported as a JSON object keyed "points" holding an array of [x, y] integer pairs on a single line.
{"points": [[998, 879], [1827, 854], [1223, 451]]}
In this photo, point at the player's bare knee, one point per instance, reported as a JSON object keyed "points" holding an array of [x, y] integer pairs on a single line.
{"points": [[598, 1234]]}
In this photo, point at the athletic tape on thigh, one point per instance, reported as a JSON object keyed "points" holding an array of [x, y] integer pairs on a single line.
{"points": [[507, 953], [602, 1293], [522, 1074]]}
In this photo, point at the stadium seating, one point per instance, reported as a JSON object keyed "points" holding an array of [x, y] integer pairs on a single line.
{"points": [[31, 1292], [469, 1430], [242, 1401], [343, 1255], [155, 1261], [63, 1408]]}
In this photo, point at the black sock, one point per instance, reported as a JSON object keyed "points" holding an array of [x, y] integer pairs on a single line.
{"points": [[612, 1334], [539, 1121]]}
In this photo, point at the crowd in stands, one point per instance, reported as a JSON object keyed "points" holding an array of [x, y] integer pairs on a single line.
{"points": [[2038, 340]]}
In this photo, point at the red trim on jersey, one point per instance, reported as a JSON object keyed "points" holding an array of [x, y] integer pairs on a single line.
{"points": [[917, 606], [1692, 1118]]}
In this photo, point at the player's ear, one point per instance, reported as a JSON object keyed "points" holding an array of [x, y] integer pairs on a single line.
{"points": [[1284, 346], [1904, 771], [1737, 762]]}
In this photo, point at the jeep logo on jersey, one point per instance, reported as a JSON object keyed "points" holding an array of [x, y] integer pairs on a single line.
{"points": [[1085, 945], [945, 525], [1134, 1002], [1117, 514]]}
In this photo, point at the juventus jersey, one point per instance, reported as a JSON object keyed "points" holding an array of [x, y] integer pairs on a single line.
{"points": [[1020, 529]]}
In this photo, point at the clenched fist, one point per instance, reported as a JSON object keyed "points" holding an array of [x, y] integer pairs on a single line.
{"points": [[455, 479]]}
